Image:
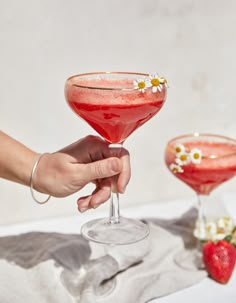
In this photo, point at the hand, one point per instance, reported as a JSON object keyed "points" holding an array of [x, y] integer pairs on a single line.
{"points": [[88, 160]]}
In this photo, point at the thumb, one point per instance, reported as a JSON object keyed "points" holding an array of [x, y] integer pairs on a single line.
{"points": [[102, 169]]}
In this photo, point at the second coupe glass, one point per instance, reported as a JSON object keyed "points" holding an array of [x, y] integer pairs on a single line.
{"points": [[203, 162]]}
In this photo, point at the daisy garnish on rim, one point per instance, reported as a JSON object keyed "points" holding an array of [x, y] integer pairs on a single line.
{"points": [[176, 168], [163, 81], [152, 81], [179, 148], [183, 158], [140, 85], [155, 82], [196, 155]]}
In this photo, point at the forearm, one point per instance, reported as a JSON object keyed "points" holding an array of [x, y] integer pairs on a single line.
{"points": [[16, 160]]}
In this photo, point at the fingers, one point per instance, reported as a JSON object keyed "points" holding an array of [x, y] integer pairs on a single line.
{"points": [[100, 195], [101, 169]]}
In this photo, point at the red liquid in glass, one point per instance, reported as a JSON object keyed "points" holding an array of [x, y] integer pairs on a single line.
{"points": [[210, 173], [116, 122]]}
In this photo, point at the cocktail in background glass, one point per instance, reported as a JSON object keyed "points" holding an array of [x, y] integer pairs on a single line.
{"points": [[203, 162], [115, 104]]}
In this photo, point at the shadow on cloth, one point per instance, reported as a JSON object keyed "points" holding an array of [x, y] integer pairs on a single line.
{"points": [[182, 227], [30, 249], [72, 250]]}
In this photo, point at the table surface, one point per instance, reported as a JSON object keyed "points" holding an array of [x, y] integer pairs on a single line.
{"points": [[206, 291]]}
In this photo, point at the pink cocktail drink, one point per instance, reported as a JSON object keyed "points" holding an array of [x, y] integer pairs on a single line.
{"points": [[114, 113], [214, 168], [203, 162], [115, 104]]}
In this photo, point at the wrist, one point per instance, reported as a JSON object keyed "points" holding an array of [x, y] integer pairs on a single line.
{"points": [[16, 160]]}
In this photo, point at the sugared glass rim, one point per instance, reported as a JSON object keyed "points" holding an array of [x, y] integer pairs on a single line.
{"points": [[106, 73], [196, 135]]}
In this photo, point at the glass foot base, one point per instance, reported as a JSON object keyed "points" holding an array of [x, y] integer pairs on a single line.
{"points": [[126, 231]]}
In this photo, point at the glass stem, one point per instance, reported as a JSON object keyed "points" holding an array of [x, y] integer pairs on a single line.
{"points": [[201, 220], [201, 207], [114, 215]]}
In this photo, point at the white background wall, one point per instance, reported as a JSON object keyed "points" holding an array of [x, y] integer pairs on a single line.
{"points": [[42, 42]]}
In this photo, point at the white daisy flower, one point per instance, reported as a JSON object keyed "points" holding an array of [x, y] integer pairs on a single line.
{"points": [[140, 85], [183, 158], [233, 237], [176, 168], [179, 148], [163, 81], [225, 225], [196, 155], [200, 230], [154, 82], [211, 230]]}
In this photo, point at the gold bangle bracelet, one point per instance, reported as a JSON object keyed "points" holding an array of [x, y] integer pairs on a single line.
{"points": [[31, 181]]}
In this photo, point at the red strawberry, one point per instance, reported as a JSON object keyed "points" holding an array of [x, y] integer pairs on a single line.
{"points": [[219, 259]]}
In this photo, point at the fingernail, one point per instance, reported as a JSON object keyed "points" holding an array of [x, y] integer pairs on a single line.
{"points": [[96, 205], [83, 209], [123, 190]]}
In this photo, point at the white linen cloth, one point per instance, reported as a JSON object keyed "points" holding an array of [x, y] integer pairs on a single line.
{"points": [[64, 268]]}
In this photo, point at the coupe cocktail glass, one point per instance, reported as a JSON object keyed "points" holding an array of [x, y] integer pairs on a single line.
{"points": [[115, 104], [203, 162]]}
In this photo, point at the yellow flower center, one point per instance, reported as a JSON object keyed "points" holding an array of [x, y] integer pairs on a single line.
{"points": [[209, 229], [155, 82], [183, 157], [178, 149], [196, 156], [220, 230], [141, 85]]}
